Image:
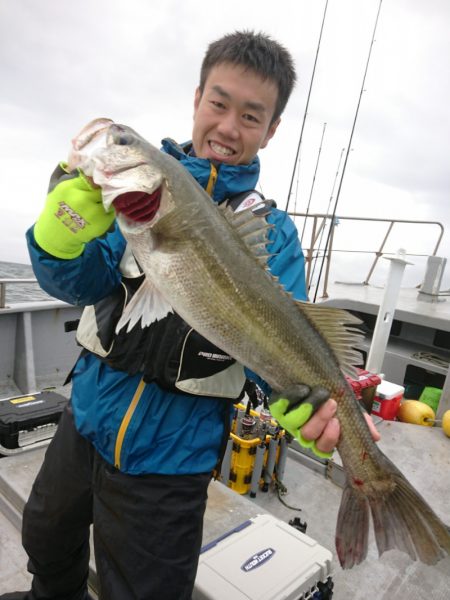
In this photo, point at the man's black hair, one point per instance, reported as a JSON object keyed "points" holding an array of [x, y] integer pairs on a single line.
{"points": [[257, 52]]}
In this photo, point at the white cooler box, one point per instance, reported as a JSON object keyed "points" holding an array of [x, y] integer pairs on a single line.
{"points": [[264, 559]]}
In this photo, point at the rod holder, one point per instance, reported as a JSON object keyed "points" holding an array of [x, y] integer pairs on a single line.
{"points": [[386, 312]]}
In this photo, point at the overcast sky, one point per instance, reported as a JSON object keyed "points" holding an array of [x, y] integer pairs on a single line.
{"points": [[137, 62]]}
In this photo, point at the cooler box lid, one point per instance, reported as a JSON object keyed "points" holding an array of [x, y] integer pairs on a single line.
{"points": [[387, 390], [262, 559]]}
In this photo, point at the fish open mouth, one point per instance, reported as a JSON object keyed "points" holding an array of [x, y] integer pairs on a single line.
{"points": [[139, 206]]}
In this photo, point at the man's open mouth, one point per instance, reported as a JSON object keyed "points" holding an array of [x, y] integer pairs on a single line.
{"points": [[224, 151]]}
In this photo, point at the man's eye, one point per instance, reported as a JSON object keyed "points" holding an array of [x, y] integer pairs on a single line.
{"points": [[251, 118], [217, 104]]}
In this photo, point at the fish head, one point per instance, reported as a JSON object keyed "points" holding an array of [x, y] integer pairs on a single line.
{"points": [[124, 165], [85, 142], [129, 167]]}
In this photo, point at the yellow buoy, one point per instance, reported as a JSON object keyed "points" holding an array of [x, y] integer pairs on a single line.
{"points": [[446, 423], [417, 413]]}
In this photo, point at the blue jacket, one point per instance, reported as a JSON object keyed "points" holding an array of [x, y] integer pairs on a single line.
{"points": [[156, 431]]}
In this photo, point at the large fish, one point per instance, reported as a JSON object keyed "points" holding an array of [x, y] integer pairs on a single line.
{"points": [[209, 265]]}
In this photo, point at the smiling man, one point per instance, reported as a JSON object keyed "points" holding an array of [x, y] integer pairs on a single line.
{"points": [[134, 452], [234, 115]]}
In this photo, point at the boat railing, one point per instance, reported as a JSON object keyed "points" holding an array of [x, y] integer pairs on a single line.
{"points": [[37, 345], [11, 281], [319, 225]]}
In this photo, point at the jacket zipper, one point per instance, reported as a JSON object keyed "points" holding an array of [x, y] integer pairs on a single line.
{"points": [[126, 421], [212, 180]]}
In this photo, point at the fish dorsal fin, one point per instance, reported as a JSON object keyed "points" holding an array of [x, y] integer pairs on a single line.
{"points": [[252, 229], [340, 329]]}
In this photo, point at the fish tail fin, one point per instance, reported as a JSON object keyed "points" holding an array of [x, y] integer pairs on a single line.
{"points": [[402, 519], [147, 305], [352, 528]]}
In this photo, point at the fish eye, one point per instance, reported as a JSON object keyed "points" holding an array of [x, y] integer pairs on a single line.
{"points": [[123, 139], [121, 136]]}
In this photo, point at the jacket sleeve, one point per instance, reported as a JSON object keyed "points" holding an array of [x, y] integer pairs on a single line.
{"points": [[84, 280], [287, 263]]}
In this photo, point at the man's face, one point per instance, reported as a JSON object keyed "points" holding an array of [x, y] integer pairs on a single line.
{"points": [[233, 116]]}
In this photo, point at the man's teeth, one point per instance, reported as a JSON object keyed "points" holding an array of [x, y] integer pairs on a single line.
{"points": [[221, 149]]}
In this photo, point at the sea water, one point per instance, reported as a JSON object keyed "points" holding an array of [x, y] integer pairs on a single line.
{"points": [[21, 292]]}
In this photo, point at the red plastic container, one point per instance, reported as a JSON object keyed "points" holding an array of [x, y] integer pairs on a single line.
{"points": [[364, 387], [365, 380], [387, 400]]}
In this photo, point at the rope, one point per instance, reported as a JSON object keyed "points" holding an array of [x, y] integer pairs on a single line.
{"points": [[282, 491], [432, 358]]}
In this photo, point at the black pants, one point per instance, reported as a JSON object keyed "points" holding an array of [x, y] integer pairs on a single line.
{"points": [[147, 529]]}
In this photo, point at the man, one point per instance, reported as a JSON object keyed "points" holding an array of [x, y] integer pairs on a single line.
{"points": [[132, 454]]}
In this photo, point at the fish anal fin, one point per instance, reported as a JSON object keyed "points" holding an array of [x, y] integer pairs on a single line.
{"points": [[147, 305]]}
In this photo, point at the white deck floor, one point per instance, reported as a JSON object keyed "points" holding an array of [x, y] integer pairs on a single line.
{"points": [[409, 308], [423, 454]]}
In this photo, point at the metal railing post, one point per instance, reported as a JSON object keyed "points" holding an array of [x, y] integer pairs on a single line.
{"points": [[378, 254], [310, 254], [327, 270]]}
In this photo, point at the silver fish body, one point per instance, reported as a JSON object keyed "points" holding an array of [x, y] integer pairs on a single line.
{"points": [[208, 265]]}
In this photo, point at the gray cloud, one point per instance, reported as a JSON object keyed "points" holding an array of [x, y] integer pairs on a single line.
{"points": [[137, 62]]}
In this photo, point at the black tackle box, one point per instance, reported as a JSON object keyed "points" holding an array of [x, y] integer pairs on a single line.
{"points": [[25, 420]]}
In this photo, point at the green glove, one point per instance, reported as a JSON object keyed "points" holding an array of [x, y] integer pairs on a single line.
{"points": [[73, 214], [293, 408]]}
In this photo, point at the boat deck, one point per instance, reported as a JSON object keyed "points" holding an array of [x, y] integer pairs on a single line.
{"points": [[423, 454], [409, 308], [35, 355]]}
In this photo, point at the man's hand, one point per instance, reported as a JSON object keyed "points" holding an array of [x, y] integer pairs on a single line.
{"points": [[309, 416], [325, 429], [73, 214]]}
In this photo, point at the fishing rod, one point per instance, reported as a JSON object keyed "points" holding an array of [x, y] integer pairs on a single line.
{"points": [[297, 155], [327, 212], [313, 182], [333, 216]]}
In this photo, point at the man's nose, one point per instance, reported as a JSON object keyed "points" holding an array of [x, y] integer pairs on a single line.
{"points": [[229, 125]]}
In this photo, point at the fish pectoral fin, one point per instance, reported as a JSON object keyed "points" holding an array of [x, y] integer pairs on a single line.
{"points": [[147, 305], [340, 330]]}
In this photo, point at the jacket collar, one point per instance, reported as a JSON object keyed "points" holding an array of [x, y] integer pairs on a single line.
{"points": [[231, 179]]}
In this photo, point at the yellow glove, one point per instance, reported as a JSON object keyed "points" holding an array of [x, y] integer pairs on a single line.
{"points": [[73, 214], [293, 408]]}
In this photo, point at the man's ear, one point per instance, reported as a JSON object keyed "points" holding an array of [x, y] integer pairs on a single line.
{"points": [[197, 98], [270, 132]]}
